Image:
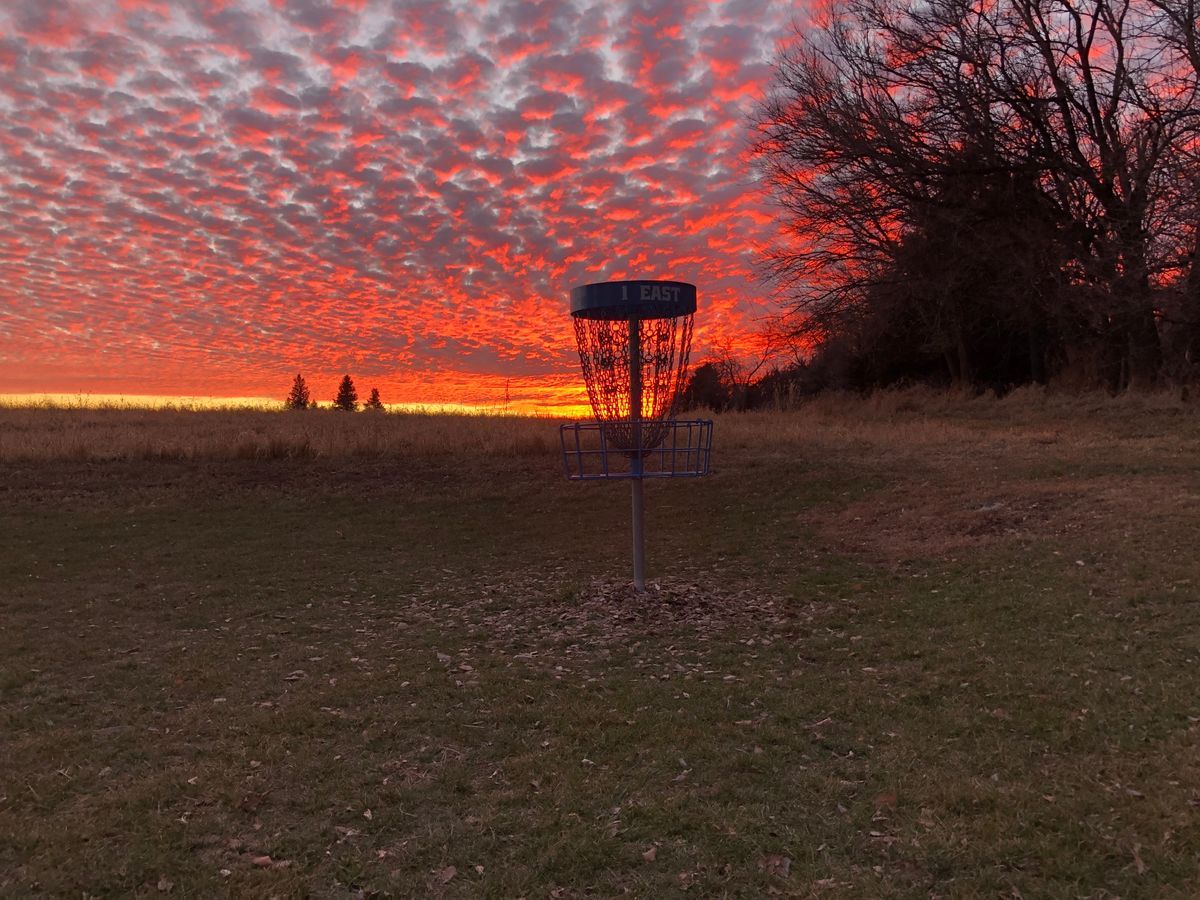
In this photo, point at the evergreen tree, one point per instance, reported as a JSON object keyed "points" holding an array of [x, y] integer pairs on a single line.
{"points": [[298, 398], [373, 402], [347, 396]]}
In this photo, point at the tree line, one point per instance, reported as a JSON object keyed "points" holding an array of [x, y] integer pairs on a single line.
{"points": [[988, 194], [346, 398]]}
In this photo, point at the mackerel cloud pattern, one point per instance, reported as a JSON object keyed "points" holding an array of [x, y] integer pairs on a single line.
{"points": [[206, 197]]}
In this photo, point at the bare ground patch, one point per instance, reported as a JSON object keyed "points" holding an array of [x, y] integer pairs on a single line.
{"points": [[914, 520], [675, 627]]}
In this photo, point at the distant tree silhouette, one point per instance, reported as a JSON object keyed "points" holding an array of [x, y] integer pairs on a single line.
{"points": [[298, 397], [706, 389], [373, 402], [347, 396]]}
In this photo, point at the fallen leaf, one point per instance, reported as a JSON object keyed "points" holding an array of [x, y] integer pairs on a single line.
{"points": [[650, 855], [367, 814], [165, 884], [262, 862], [776, 865], [886, 799], [1138, 862], [446, 875]]}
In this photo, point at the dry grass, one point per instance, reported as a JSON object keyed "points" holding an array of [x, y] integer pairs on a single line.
{"points": [[52, 433], [905, 418]]}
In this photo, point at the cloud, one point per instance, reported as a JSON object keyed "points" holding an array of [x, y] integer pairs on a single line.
{"points": [[208, 197]]}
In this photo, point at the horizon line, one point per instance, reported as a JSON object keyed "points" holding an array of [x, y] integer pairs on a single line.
{"points": [[90, 400]]}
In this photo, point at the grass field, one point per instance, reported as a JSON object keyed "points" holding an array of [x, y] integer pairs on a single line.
{"points": [[907, 646]]}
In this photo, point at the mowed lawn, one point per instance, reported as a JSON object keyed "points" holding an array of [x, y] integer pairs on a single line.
{"points": [[903, 647]]}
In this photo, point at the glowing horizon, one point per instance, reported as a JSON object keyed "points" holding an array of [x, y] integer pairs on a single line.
{"points": [[204, 199], [271, 404]]}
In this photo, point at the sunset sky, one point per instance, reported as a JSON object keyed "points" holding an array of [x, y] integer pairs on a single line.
{"points": [[206, 197]]}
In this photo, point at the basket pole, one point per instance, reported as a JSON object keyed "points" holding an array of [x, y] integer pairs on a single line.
{"points": [[635, 464]]}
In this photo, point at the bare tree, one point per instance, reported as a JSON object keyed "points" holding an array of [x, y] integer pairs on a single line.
{"points": [[736, 369], [992, 171], [1175, 23]]}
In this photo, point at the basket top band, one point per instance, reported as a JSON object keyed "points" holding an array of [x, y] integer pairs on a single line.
{"points": [[633, 300]]}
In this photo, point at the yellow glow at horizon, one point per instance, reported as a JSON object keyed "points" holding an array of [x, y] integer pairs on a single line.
{"points": [[164, 401]]}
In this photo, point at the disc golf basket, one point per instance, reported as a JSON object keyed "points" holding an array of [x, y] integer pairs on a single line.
{"points": [[634, 338]]}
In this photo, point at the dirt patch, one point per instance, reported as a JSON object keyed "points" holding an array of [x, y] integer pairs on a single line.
{"points": [[910, 522]]}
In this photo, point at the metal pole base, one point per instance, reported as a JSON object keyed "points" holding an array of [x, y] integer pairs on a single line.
{"points": [[639, 536]]}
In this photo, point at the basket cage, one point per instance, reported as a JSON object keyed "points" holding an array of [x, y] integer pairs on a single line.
{"points": [[600, 450]]}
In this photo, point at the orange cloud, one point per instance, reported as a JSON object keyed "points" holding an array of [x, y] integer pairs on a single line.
{"points": [[208, 198]]}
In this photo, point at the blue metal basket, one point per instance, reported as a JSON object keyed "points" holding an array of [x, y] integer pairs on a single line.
{"points": [[672, 448]]}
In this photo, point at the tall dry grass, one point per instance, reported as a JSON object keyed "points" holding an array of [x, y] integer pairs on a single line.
{"points": [[910, 418], [920, 417], [50, 433]]}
